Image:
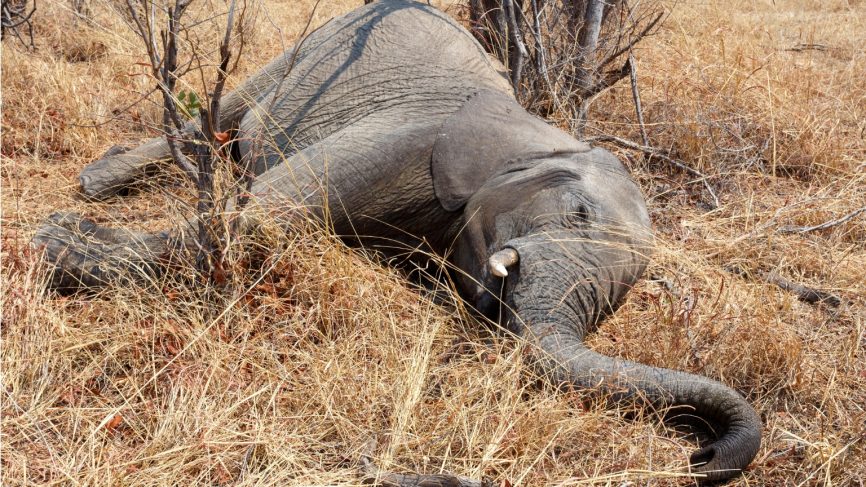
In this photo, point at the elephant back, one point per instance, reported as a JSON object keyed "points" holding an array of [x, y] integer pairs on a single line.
{"points": [[396, 56]]}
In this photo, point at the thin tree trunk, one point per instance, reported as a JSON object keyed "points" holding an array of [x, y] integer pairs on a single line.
{"points": [[588, 42]]}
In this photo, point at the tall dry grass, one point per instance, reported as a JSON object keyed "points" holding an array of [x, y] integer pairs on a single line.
{"points": [[312, 350]]}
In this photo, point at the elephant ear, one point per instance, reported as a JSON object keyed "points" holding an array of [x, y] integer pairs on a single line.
{"points": [[478, 142]]}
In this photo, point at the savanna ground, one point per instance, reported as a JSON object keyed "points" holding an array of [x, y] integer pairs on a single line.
{"points": [[283, 375]]}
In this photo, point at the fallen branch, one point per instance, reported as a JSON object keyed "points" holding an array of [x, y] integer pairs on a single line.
{"points": [[374, 476], [822, 226], [661, 154], [807, 47], [804, 293]]}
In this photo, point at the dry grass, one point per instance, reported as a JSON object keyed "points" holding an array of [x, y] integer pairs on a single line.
{"points": [[284, 377]]}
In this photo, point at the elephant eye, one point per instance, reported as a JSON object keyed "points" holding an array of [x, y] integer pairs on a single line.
{"points": [[577, 217]]}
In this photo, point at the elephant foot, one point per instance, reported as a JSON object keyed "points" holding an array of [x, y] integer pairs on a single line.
{"points": [[121, 168], [82, 254]]}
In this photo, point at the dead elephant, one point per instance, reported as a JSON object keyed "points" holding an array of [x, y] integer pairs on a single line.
{"points": [[394, 123]]}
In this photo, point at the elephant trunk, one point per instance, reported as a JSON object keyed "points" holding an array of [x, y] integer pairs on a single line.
{"points": [[553, 306]]}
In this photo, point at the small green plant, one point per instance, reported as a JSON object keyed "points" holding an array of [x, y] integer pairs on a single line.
{"points": [[189, 103]]}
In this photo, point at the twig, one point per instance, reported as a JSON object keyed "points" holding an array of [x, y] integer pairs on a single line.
{"points": [[807, 47], [222, 74], [822, 226], [636, 95], [540, 63], [374, 476], [588, 94], [116, 113], [163, 70], [609, 79], [628, 47], [13, 16], [804, 293], [661, 154], [518, 54], [250, 455]]}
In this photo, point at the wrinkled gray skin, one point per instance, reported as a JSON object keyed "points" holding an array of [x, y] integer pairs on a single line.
{"points": [[395, 121]]}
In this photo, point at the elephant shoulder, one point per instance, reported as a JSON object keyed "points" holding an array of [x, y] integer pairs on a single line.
{"points": [[478, 142]]}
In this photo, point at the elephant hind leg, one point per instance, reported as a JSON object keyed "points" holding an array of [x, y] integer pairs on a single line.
{"points": [[82, 254]]}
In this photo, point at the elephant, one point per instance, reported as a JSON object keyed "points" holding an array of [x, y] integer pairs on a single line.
{"points": [[393, 124]]}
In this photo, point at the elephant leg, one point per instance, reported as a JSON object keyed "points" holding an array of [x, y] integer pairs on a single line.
{"points": [[82, 254], [371, 178], [367, 179], [116, 170]]}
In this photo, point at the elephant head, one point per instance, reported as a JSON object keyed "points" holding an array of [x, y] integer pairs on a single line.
{"points": [[554, 235]]}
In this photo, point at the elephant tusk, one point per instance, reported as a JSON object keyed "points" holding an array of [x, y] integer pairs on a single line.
{"points": [[500, 261]]}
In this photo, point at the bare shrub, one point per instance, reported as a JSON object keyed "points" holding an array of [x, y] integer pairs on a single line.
{"points": [[562, 53]]}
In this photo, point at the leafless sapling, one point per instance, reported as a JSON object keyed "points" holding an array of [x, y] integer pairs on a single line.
{"points": [[197, 152]]}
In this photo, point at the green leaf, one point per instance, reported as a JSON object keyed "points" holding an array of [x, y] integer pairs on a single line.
{"points": [[188, 103]]}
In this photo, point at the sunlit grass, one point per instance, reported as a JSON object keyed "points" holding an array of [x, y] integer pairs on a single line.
{"points": [[310, 350]]}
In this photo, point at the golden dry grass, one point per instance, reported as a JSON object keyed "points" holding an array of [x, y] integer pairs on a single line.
{"points": [[284, 378]]}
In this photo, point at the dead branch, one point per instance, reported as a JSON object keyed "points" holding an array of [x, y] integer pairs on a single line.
{"points": [[636, 96], [604, 82], [662, 155], [374, 476], [204, 142], [807, 47], [163, 67], [597, 87], [630, 45], [222, 74], [518, 52], [804, 293], [559, 52], [13, 14], [823, 226]]}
